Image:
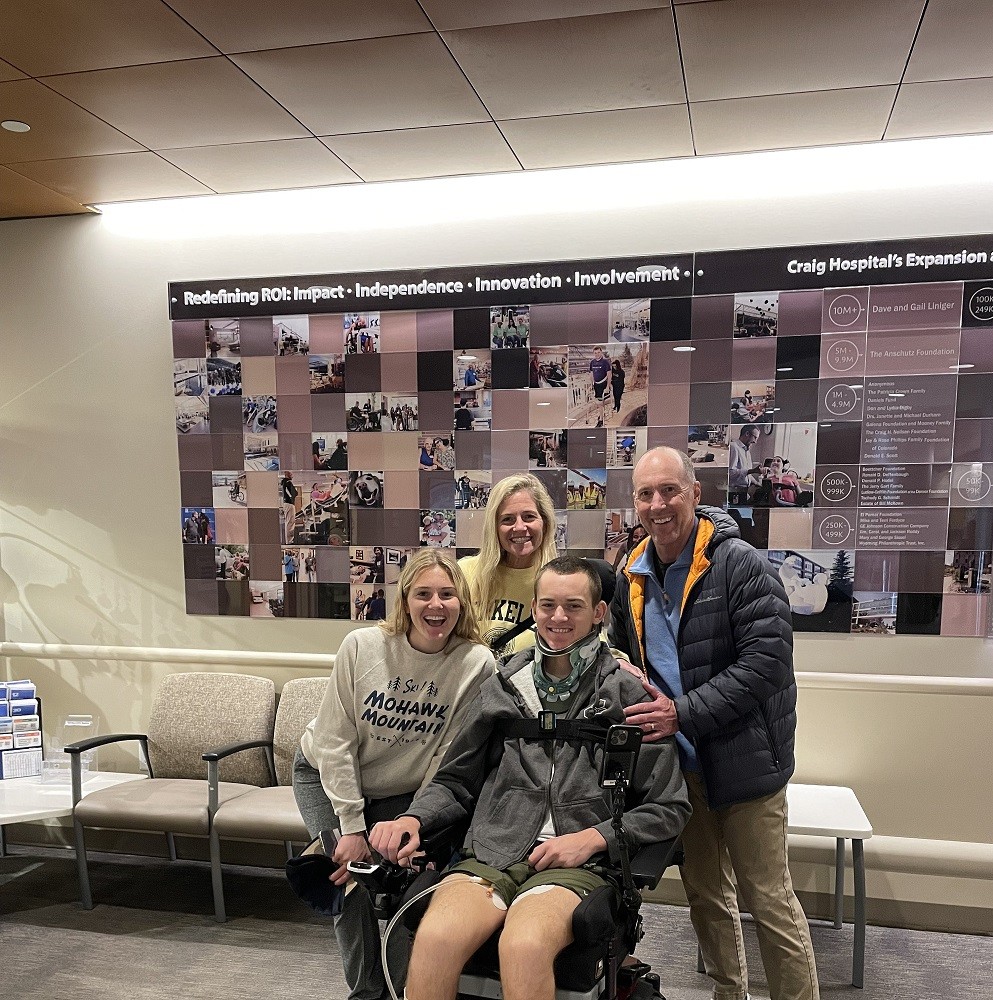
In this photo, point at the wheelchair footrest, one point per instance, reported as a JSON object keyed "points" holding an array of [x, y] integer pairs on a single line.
{"points": [[471, 985]]}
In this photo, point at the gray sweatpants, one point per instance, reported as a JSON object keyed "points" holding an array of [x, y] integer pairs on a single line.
{"points": [[356, 928]]}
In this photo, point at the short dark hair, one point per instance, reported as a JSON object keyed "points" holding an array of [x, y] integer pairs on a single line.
{"points": [[566, 566]]}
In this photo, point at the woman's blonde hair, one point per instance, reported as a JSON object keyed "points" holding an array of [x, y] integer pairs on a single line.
{"points": [[491, 554], [399, 621]]}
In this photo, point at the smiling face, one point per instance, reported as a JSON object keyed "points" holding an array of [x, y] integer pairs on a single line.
{"points": [[520, 530], [434, 607], [563, 609], [665, 501]]}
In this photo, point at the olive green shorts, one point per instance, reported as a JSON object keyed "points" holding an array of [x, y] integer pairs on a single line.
{"points": [[509, 883]]}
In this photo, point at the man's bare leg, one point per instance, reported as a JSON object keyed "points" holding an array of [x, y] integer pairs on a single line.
{"points": [[538, 927], [462, 915]]}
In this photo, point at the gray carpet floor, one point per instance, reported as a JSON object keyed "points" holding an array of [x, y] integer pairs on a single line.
{"points": [[152, 935]]}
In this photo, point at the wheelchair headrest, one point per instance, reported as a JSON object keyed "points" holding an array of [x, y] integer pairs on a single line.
{"points": [[608, 578]]}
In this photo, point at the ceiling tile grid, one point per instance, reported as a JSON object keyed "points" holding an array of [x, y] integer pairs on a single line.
{"points": [[160, 98]]}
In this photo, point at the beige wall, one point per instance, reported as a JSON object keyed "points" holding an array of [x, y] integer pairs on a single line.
{"points": [[89, 493]]}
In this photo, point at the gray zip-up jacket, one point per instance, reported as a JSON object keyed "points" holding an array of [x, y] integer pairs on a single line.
{"points": [[509, 785]]}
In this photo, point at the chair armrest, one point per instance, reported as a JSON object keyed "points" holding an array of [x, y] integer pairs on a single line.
{"points": [[231, 748], [652, 860], [213, 757], [75, 750], [98, 741]]}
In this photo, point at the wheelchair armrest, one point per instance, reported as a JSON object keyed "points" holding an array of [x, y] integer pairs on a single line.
{"points": [[652, 860], [595, 919]]}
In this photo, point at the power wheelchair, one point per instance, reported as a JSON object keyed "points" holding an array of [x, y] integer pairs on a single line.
{"points": [[607, 925]]}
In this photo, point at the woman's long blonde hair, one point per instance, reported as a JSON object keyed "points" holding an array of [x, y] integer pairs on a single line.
{"points": [[491, 555], [399, 621]]}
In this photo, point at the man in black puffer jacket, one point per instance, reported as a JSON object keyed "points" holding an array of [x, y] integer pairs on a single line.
{"points": [[705, 617]]}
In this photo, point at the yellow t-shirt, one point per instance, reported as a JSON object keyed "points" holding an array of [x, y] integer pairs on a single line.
{"points": [[512, 604]]}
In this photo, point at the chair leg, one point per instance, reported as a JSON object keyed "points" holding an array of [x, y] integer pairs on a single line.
{"points": [[217, 878], [82, 871], [171, 844], [288, 844], [700, 967], [3, 843]]}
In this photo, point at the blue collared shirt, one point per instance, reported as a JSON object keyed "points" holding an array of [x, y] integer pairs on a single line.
{"points": [[663, 601]]}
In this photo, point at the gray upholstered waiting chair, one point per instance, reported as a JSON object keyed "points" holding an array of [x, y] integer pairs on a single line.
{"points": [[191, 714], [265, 814]]}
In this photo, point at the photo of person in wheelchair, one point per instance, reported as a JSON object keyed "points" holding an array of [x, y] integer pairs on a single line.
{"points": [[545, 835]]}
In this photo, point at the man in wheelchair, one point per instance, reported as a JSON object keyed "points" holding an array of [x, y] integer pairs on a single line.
{"points": [[525, 772]]}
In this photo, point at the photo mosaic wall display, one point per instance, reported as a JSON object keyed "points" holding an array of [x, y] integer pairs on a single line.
{"points": [[837, 401]]}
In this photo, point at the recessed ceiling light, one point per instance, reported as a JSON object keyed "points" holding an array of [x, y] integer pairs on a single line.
{"points": [[686, 348], [544, 404], [956, 368], [784, 369], [15, 126], [855, 385], [897, 395]]}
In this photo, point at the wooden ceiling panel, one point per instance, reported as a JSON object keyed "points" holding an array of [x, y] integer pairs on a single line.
{"points": [[951, 107], [368, 85], [22, 198], [8, 72], [783, 121], [425, 152], [48, 36], [954, 41], [252, 25], [447, 15], [58, 127], [262, 166], [198, 102], [601, 137], [120, 177], [233, 92], [746, 48], [578, 64]]}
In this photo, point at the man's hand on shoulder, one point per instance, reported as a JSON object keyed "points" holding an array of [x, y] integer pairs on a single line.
{"points": [[568, 851], [657, 717]]}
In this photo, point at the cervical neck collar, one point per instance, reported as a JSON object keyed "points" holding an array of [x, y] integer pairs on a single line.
{"points": [[582, 654]]}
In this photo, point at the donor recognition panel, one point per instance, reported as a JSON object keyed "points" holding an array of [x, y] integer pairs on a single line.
{"points": [[836, 401]]}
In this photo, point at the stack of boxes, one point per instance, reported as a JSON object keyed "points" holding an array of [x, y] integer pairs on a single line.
{"points": [[20, 730]]}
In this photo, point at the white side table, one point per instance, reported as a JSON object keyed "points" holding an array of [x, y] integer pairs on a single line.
{"points": [[834, 811]]}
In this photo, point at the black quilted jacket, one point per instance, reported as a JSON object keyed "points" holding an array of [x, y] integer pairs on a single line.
{"points": [[736, 661]]}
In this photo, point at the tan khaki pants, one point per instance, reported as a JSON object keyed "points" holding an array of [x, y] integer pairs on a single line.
{"points": [[750, 840]]}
